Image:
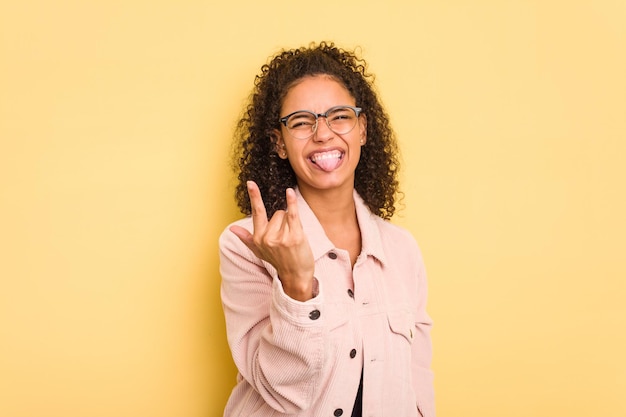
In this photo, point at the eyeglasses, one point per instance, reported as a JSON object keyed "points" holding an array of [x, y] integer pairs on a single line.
{"points": [[302, 124]]}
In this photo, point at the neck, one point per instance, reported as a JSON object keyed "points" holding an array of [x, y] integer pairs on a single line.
{"points": [[336, 212], [331, 207]]}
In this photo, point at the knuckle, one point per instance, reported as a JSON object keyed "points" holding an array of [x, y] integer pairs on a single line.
{"points": [[268, 242]]}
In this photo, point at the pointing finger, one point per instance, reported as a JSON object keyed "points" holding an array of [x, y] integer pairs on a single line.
{"points": [[259, 215]]}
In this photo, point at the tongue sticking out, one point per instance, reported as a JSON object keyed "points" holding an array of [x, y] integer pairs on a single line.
{"points": [[327, 161]]}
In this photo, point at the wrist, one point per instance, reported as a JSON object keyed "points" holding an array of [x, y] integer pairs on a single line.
{"points": [[301, 289]]}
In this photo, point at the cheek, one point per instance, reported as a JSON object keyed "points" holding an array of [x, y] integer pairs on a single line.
{"points": [[294, 148]]}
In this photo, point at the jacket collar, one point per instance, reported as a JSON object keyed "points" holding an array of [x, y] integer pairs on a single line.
{"points": [[371, 242]]}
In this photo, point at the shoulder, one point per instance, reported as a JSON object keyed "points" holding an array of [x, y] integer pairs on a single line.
{"points": [[392, 231], [397, 241]]}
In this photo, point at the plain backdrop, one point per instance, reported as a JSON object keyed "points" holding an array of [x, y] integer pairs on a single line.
{"points": [[115, 126]]}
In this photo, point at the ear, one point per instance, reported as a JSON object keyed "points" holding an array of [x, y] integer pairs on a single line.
{"points": [[279, 144], [363, 129]]}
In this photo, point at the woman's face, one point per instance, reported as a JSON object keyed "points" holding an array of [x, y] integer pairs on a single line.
{"points": [[326, 160]]}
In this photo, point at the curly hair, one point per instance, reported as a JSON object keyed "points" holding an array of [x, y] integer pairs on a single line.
{"points": [[254, 155]]}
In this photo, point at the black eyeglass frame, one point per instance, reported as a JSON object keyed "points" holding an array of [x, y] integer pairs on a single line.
{"points": [[357, 111]]}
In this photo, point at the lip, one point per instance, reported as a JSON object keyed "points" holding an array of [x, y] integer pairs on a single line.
{"points": [[311, 155]]}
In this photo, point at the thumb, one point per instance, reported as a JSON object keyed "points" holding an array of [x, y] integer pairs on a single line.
{"points": [[246, 237]]}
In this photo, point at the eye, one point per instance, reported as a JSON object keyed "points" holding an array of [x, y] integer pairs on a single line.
{"points": [[341, 115], [301, 121], [298, 123]]}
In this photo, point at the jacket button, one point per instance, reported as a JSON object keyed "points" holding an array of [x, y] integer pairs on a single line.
{"points": [[350, 293], [353, 353], [332, 255], [314, 315], [338, 412]]}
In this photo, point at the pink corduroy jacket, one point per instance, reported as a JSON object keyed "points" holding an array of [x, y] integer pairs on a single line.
{"points": [[305, 358]]}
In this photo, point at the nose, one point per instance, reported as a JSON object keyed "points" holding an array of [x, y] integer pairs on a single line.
{"points": [[322, 132]]}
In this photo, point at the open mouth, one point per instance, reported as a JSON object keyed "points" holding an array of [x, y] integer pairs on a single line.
{"points": [[327, 161]]}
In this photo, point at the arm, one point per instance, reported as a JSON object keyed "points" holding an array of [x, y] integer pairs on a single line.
{"points": [[276, 346], [422, 347], [275, 339]]}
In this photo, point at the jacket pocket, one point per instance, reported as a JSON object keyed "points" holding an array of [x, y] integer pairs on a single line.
{"points": [[402, 323]]}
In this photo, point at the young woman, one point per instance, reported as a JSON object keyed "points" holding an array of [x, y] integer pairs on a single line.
{"points": [[324, 299]]}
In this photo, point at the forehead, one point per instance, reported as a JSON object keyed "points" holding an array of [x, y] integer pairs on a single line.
{"points": [[316, 93]]}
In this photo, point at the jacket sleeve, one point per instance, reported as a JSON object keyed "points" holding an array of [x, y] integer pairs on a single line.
{"points": [[276, 342], [422, 347]]}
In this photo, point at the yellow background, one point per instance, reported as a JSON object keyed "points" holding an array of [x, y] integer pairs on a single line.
{"points": [[115, 123]]}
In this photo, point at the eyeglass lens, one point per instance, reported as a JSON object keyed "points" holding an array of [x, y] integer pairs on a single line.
{"points": [[340, 120]]}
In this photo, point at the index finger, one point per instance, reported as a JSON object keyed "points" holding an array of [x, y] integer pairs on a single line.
{"points": [[259, 215]]}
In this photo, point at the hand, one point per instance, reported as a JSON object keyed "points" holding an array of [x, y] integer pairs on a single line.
{"points": [[281, 242]]}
